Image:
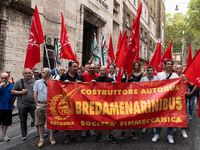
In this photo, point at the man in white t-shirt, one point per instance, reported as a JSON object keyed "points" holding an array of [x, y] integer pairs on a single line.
{"points": [[167, 74], [150, 75]]}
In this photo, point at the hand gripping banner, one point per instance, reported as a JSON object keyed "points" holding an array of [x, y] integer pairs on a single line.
{"points": [[107, 106]]}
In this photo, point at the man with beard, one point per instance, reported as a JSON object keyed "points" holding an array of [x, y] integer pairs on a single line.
{"points": [[104, 78], [72, 76], [166, 74], [91, 75]]}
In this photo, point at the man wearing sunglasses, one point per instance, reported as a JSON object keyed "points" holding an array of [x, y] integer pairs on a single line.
{"points": [[36, 74]]}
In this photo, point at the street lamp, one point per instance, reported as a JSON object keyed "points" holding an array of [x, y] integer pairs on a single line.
{"points": [[176, 9]]}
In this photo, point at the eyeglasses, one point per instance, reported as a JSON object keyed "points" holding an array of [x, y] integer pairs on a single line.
{"points": [[27, 72], [35, 72], [4, 78], [8, 72]]}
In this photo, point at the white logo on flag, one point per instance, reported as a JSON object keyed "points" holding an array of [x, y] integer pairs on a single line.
{"points": [[32, 40], [198, 79]]}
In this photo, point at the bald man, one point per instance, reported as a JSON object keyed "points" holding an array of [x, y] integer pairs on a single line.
{"points": [[104, 78], [6, 105], [61, 71], [91, 75]]}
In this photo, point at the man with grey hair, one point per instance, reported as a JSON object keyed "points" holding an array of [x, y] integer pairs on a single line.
{"points": [[40, 96], [61, 71], [23, 88], [6, 105]]}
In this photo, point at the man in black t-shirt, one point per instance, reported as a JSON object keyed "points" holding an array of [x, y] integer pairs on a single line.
{"points": [[104, 78], [72, 76]]}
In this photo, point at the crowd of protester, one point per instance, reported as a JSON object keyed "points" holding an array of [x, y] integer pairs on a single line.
{"points": [[31, 95]]}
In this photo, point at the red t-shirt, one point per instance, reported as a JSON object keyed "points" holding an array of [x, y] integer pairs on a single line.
{"points": [[87, 77]]}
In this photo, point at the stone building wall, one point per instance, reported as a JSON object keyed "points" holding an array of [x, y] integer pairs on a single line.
{"points": [[15, 30]]}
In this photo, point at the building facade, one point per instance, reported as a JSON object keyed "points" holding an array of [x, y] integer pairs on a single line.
{"points": [[82, 18]]}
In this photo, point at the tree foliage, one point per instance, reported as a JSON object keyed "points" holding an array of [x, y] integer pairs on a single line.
{"points": [[193, 18], [176, 28]]}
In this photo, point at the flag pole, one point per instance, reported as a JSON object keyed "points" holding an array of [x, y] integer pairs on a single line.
{"points": [[56, 47], [46, 53]]}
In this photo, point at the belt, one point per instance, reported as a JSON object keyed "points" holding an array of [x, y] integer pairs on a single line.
{"points": [[42, 102]]}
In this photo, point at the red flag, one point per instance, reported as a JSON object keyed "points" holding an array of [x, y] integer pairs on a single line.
{"points": [[167, 55], [122, 52], [66, 49], [111, 56], [156, 59], [119, 44], [137, 56], [134, 44], [192, 72], [120, 74], [35, 39], [121, 58], [189, 59]]}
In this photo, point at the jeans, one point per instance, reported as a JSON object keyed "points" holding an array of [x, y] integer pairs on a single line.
{"points": [[191, 103], [170, 131], [23, 113]]}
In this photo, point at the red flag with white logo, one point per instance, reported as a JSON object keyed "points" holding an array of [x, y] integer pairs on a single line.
{"points": [[35, 39], [167, 55], [134, 44], [189, 59], [66, 49], [156, 59]]}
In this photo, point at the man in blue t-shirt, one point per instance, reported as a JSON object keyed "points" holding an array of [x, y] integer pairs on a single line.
{"points": [[6, 105]]}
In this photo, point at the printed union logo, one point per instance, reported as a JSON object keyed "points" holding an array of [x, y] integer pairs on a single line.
{"points": [[198, 79], [61, 106]]}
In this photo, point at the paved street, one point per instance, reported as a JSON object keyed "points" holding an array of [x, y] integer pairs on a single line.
{"points": [[143, 142]]}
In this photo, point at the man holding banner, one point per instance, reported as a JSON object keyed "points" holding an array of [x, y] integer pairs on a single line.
{"points": [[167, 74], [91, 75], [104, 78], [72, 76], [150, 77]]}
